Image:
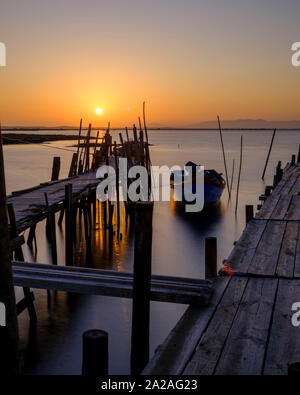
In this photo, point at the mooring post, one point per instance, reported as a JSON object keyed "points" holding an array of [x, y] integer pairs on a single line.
{"points": [[249, 213], [210, 257], [55, 168], [117, 185], [141, 287], [73, 166], [268, 191], [95, 353], [51, 230], [298, 156], [9, 363], [293, 161], [69, 224]]}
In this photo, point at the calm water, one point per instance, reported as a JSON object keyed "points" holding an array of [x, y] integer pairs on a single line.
{"points": [[178, 242]]}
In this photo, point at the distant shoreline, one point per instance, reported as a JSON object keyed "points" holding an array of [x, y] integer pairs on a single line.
{"points": [[23, 129], [24, 138]]}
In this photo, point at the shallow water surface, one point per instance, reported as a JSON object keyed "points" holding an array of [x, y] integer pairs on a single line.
{"points": [[178, 241]]}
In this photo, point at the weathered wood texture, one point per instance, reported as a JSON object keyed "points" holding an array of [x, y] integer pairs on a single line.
{"points": [[109, 283], [30, 204], [247, 328]]}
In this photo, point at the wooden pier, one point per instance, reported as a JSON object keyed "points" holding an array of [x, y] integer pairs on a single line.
{"points": [[247, 327]]}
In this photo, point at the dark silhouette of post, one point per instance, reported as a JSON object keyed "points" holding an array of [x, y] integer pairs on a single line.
{"points": [[141, 287], [8, 334], [95, 353], [267, 160], [211, 257]]}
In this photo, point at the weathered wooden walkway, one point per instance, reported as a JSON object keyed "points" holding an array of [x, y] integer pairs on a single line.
{"points": [[30, 205], [247, 327]]}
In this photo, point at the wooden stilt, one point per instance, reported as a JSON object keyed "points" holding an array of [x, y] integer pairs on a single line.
{"points": [[210, 257], [69, 224], [141, 287], [51, 230], [27, 302], [249, 213], [55, 168], [95, 353]]}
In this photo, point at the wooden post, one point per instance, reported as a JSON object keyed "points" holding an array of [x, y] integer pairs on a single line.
{"points": [[210, 257], [141, 287], [31, 236], [51, 231], [95, 353], [224, 158], [239, 177], [87, 157], [293, 161], [72, 171], [69, 224], [55, 168], [28, 295], [9, 363], [78, 148], [267, 160], [127, 134], [298, 156], [144, 117], [249, 213], [268, 190], [117, 186]]}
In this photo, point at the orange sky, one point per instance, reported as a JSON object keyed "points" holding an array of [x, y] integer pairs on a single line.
{"points": [[189, 60]]}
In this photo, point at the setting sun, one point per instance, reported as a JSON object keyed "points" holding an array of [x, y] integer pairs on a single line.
{"points": [[99, 111]]}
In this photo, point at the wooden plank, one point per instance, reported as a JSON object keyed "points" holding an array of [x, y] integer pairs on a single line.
{"points": [[211, 343], [268, 207], [163, 289], [244, 350], [286, 261], [173, 355], [267, 252], [294, 209], [243, 252], [284, 343], [281, 208]]}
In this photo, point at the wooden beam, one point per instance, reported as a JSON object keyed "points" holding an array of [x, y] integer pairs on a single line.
{"points": [[110, 283]]}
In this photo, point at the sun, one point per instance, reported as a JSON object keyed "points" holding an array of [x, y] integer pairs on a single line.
{"points": [[99, 111]]}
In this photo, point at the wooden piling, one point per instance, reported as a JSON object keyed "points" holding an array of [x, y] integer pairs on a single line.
{"points": [[141, 287], [28, 295], [9, 362], [293, 160], [51, 231], [298, 156], [87, 155], [55, 168], [239, 176], [78, 147], [69, 224], [249, 213], [95, 353], [145, 125], [72, 171], [117, 185], [210, 257], [267, 160], [224, 157]]}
